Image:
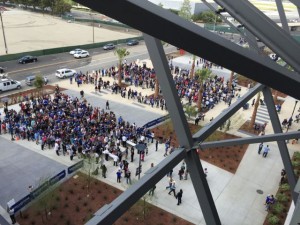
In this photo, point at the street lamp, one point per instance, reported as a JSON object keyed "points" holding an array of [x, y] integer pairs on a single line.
{"points": [[287, 129], [93, 25], [6, 50], [141, 148]]}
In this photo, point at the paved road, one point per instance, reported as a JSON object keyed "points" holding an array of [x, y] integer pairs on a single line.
{"points": [[47, 65]]}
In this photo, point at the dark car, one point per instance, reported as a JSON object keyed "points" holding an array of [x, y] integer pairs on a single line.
{"points": [[30, 80], [27, 59], [1, 70], [132, 42], [109, 46]]}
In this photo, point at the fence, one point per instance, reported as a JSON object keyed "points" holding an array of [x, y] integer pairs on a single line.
{"points": [[156, 121], [43, 187]]}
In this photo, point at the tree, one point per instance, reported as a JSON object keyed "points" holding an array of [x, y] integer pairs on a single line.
{"points": [[39, 83], [156, 91], [253, 117], [160, 5], [186, 10], [201, 76], [190, 110], [230, 81], [193, 67], [121, 53], [207, 17], [60, 7]]}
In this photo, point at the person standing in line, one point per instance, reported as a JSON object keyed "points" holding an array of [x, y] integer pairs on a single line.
{"points": [[107, 105], [128, 176], [56, 148], [12, 215], [156, 145], [119, 173], [170, 183], [132, 153], [104, 170], [266, 150], [260, 147], [205, 172], [186, 173], [151, 192], [179, 196], [173, 188]]}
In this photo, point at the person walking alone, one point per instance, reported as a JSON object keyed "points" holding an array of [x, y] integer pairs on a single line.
{"points": [[266, 150], [107, 105], [179, 196], [173, 188], [260, 147]]}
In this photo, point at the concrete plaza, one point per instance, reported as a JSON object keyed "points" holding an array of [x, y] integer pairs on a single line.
{"points": [[235, 195]]}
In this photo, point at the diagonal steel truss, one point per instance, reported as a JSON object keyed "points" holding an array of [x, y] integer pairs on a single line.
{"points": [[161, 24]]}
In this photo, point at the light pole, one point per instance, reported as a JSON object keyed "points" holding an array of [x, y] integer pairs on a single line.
{"points": [[141, 148], [6, 50], [93, 25], [287, 129], [215, 23]]}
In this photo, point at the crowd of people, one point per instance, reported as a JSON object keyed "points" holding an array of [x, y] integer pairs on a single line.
{"points": [[216, 89], [71, 126]]}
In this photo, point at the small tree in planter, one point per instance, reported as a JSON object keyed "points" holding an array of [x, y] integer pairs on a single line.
{"points": [[273, 220], [90, 169], [190, 110], [39, 83]]}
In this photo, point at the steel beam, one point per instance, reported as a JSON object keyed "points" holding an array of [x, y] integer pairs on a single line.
{"points": [[182, 130], [282, 16], [202, 134], [265, 29], [252, 41], [164, 25], [281, 144], [165, 78], [249, 140], [111, 212]]}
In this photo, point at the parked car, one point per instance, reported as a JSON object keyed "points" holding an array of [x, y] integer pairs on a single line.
{"points": [[64, 73], [9, 84], [109, 46], [27, 59], [82, 54], [75, 51], [30, 80], [1, 70], [132, 42]]}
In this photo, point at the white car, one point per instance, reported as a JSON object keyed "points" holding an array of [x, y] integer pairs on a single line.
{"points": [[81, 54], [64, 73], [75, 51]]}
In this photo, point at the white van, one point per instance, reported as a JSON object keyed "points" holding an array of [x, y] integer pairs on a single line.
{"points": [[8, 84]]}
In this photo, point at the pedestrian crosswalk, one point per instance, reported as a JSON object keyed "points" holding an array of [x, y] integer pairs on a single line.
{"points": [[262, 115]]}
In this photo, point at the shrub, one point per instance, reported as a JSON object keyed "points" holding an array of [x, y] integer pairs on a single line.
{"points": [[278, 208], [79, 198], [54, 207], [68, 222], [71, 191], [61, 216], [66, 205], [282, 197], [57, 198], [105, 197], [66, 198], [296, 163], [297, 155], [85, 203], [273, 220], [285, 187], [77, 209], [32, 222]]}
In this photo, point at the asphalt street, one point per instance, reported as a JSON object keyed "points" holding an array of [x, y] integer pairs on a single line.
{"points": [[47, 65]]}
